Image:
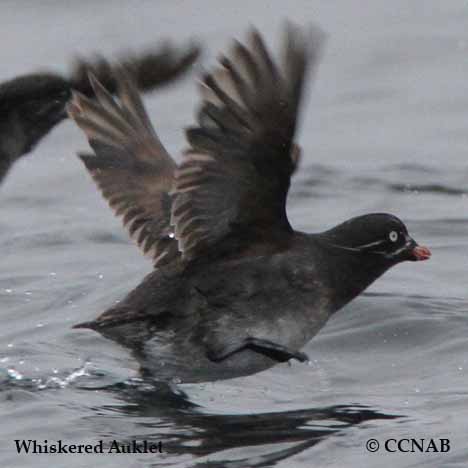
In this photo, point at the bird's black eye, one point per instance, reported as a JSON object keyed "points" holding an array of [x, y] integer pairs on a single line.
{"points": [[393, 236]]}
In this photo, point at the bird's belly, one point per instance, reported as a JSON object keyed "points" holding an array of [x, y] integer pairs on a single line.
{"points": [[182, 356], [192, 366]]}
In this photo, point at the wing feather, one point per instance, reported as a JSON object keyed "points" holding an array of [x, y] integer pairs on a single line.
{"points": [[130, 165], [231, 188]]}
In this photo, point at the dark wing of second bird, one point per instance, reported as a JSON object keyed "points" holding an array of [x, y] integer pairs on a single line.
{"points": [[31, 105], [234, 180], [154, 68]]}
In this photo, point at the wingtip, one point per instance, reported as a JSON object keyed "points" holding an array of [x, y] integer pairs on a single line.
{"points": [[255, 41], [90, 325], [95, 83], [85, 156], [90, 161], [253, 33], [311, 37], [317, 37]]}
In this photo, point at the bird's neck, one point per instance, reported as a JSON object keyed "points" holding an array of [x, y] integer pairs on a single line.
{"points": [[14, 139], [349, 272]]}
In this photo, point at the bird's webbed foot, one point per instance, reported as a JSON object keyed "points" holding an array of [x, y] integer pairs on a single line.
{"points": [[269, 348]]}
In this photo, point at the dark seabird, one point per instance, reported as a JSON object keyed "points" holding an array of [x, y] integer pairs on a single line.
{"points": [[234, 288], [31, 105]]}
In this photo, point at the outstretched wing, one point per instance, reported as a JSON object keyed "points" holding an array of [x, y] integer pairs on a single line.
{"points": [[233, 184], [130, 166], [149, 70]]}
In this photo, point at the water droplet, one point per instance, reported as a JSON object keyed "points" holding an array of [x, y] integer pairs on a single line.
{"points": [[14, 374]]}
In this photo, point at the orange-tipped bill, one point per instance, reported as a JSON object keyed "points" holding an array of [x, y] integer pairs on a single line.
{"points": [[421, 253]]}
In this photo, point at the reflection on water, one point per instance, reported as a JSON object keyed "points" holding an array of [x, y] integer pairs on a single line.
{"points": [[164, 413], [212, 437]]}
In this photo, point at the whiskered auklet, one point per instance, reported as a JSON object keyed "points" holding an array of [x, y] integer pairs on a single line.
{"points": [[234, 288], [31, 105]]}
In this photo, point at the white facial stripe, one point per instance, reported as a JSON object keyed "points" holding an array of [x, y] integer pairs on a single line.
{"points": [[342, 247], [363, 247], [401, 249], [371, 244]]}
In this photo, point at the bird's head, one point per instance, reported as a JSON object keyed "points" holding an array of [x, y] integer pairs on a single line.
{"points": [[34, 103], [382, 236]]}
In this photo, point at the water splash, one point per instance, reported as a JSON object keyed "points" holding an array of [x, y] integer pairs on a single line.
{"points": [[14, 377]]}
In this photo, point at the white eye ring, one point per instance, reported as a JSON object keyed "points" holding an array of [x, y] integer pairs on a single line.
{"points": [[393, 236]]}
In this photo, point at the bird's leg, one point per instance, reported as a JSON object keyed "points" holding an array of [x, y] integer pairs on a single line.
{"points": [[273, 350]]}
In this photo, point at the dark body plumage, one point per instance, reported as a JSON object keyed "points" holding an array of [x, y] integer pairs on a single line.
{"points": [[235, 289], [31, 105]]}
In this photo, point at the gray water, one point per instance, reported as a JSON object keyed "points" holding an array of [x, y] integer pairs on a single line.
{"points": [[385, 129]]}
